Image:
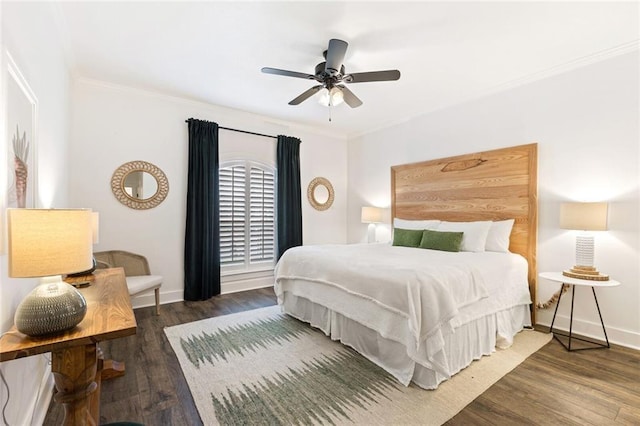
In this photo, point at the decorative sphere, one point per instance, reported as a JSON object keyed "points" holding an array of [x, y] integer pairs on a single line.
{"points": [[50, 308]]}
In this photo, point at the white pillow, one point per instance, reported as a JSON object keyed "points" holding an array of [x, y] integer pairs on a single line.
{"points": [[415, 224], [475, 233], [498, 237]]}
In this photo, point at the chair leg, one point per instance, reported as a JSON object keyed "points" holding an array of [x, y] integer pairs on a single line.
{"points": [[157, 291]]}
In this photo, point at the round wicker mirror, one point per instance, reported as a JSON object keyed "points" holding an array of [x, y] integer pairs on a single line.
{"points": [[320, 193], [139, 185]]}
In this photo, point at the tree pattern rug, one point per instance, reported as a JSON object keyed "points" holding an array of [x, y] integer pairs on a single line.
{"points": [[264, 367]]}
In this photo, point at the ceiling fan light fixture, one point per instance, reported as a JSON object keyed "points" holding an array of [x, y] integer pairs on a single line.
{"points": [[331, 97]]}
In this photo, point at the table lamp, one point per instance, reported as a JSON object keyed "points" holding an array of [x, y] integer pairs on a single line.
{"points": [[372, 216], [84, 278], [48, 243], [584, 217]]}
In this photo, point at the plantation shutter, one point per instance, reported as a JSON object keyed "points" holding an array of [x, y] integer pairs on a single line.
{"points": [[262, 220], [232, 214], [247, 216]]}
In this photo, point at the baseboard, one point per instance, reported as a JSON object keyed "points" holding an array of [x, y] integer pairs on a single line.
{"points": [[593, 330], [44, 399], [146, 300], [149, 299], [248, 284], [589, 329]]}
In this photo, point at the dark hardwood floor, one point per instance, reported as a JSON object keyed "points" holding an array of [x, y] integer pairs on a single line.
{"points": [[552, 387]]}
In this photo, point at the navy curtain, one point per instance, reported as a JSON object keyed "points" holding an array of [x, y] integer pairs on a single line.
{"points": [[202, 234], [289, 208]]}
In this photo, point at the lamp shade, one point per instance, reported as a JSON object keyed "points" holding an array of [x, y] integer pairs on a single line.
{"points": [[95, 224], [584, 216], [44, 242], [371, 215]]}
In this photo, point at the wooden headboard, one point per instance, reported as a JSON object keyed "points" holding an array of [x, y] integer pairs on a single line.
{"points": [[491, 185]]}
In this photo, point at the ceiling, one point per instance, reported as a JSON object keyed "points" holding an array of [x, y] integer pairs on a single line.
{"points": [[447, 52]]}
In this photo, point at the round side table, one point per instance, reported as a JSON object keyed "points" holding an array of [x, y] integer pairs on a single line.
{"points": [[573, 282]]}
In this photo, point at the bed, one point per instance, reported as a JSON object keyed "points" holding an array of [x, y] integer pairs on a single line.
{"points": [[422, 314]]}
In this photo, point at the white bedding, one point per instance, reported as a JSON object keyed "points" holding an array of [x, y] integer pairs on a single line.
{"points": [[414, 297]]}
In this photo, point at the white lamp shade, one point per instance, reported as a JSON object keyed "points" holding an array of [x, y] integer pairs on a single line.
{"points": [[371, 215], [584, 216], [95, 227], [49, 242]]}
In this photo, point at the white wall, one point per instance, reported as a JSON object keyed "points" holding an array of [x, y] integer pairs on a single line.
{"points": [[586, 124], [29, 34], [112, 125]]}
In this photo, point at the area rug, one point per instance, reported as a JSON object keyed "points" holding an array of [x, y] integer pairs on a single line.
{"points": [[264, 367]]}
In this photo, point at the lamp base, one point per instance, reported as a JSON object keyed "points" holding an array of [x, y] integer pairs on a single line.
{"points": [[371, 233], [80, 281], [52, 307], [585, 273]]}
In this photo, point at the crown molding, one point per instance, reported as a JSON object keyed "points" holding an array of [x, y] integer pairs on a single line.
{"points": [[583, 61], [287, 127]]}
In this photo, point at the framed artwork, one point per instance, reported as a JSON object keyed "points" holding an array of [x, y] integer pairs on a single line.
{"points": [[18, 132], [21, 139]]}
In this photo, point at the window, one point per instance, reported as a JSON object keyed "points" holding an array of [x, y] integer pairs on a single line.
{"points": [[247, 216]]}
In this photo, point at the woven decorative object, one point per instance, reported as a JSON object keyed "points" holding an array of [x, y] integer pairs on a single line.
{"points": [[585, 273], [50, 308], [118, 189], [311, 195], [21, 168]]}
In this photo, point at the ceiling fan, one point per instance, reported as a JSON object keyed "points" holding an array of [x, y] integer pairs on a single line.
{"points": [[331, 74]]}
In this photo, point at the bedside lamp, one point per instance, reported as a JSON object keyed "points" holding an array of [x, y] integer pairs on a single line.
{"points": [[95, 227], [49, 243], [584, 217], [372, 216], [84, 278]]}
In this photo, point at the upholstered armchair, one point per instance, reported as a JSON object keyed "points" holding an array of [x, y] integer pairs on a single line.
{"points": [[136, 271]]}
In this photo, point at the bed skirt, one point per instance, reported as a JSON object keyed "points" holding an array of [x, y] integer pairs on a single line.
{"points": [[467, 342]]}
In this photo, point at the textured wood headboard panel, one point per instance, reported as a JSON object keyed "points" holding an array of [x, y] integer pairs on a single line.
{"points": [[491, 185]]}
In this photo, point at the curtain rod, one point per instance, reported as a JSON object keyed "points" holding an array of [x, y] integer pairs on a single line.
{"points": [[243, 131]]}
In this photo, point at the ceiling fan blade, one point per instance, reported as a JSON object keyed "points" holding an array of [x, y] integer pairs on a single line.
{"points": [[363, 77], [349, 98], [306, 95], [335, 55], [286, 73]]}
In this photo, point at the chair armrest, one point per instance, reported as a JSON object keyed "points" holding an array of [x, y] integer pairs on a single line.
{"points": [[102, 265], [133, 264]]}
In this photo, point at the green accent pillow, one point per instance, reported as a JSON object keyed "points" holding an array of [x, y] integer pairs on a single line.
{"points": [[407, 237], [438, 240]]}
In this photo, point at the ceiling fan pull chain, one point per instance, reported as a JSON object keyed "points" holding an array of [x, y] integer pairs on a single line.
{"points": [[330, 110]]}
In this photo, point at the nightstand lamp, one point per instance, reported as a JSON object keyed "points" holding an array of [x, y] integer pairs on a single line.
{"points": [[48, 243], [372, 216], [84, 278], [584, 217]]}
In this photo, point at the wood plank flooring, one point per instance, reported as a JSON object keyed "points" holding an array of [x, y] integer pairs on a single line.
{"points": [[552, 387]]}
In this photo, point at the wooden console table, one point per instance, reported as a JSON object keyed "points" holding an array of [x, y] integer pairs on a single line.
{"points": [[76, 360]]}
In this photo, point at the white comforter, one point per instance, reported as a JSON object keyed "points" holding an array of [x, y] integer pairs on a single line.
{"points": [[409, 295]]}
